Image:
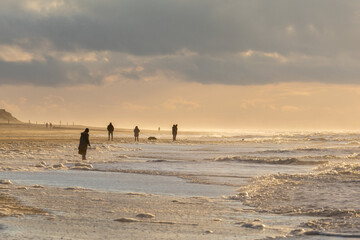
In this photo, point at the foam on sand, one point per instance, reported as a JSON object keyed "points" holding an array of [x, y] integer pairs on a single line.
{"points": [[332, 191], [82, 166]]}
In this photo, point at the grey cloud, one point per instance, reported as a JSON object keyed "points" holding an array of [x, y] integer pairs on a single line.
{"points": [[155, 27], [48, 73], [214, 29], [254, 70]]}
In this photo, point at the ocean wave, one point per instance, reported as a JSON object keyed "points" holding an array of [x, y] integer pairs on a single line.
{"points": [[331, 191], [264, 160], [353, 156], [353, 143], [294, 150], [342, 169], [342, 227], [329, 212], [293, 137], [315, 153]]}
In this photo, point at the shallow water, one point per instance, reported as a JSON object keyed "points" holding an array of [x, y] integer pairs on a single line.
{"points": [[117, 182]]}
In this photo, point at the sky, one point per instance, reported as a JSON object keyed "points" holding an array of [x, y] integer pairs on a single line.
{"points": [[205, 64]]}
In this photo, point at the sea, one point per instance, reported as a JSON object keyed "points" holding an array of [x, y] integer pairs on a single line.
{"points": [[306, 183]]}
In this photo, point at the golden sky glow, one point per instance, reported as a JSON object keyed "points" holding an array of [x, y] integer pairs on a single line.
{"points": [[203, 64], [191, 105]]}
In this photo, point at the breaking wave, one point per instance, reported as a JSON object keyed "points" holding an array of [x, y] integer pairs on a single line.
{"points": [[332, 191], [343, 169], [270, 160], [294, 150]]}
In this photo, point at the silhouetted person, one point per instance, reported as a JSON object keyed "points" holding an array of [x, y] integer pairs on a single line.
{"points": [[84, 143], [110, 129], [47, 125], [174, 131], [50, 125], [136, 133]]}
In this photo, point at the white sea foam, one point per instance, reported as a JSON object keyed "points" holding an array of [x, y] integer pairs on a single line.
{"points": [[332, 191], [269, 160]]}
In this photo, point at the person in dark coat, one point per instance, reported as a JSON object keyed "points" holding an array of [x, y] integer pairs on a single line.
{"points": [[136, 133], [174, 131], [110, 129], [84, 143]]}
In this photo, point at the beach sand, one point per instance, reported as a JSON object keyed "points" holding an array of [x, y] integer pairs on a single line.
{"points": [[40, 212], [266, 207]]}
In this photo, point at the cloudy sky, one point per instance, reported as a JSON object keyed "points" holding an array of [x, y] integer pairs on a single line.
{"points": [[223, 64]]}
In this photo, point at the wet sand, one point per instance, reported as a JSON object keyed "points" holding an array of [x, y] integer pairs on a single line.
{"points": [[38, 212], [75, 213]]}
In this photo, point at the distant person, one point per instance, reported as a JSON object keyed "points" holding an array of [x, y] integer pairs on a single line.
{"points": [[174, 131], [110, 129], [84, 143], [47, 125], [136, 133], [50, 125]]}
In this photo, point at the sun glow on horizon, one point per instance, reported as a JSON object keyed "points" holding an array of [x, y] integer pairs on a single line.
{"points": [[296, 106]]}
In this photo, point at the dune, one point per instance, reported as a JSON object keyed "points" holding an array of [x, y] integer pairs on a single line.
{"points": [[6, 117]]}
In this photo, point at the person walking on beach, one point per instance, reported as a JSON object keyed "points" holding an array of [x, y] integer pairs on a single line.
{"points": [[174, 131], [84, 143], [136, 133], [110, 129]]}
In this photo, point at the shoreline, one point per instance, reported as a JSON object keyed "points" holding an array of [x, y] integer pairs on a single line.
{"points": [[72, 212], [78, 213]]}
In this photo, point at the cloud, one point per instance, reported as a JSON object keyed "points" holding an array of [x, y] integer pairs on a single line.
{"points": [[62, 42], [48, 73], [14, 54], [207, 26]]}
